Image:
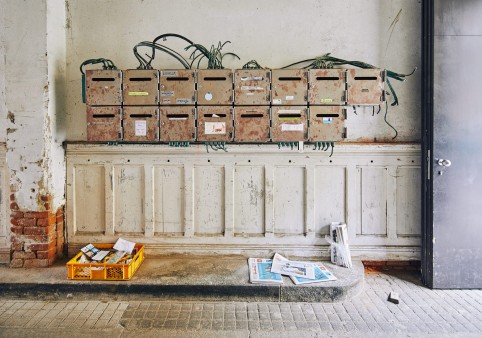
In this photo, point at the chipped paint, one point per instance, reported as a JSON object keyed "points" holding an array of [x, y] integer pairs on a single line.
{"points": [[34, 152]]}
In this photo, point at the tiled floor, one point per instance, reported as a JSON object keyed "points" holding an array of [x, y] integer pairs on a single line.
{"points": [[420, 312]]}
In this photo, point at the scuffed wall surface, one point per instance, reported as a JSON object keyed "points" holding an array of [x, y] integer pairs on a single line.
{"points": [[55, 121], [385, 33], [34, 65], [3, 107], [26, 97]]}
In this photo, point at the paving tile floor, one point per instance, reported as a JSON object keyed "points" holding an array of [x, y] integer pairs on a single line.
{"points": [[421, 312]]}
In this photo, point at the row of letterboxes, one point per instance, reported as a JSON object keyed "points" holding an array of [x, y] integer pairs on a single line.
{"points": [[144, 87], [216, 123]]}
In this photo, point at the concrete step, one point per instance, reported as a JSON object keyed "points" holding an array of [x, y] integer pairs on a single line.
{"points": [[180, 277]]}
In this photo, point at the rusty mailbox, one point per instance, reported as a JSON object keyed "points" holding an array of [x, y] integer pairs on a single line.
{"points": [[141, 87], [103, 87], [177, 124], [214, 87], [214, 124], [252, 87], [251, 124], [365, 86], [289, 86], [327, 123], [327, 86], [104, 123], [289, 124], [141, 124], [177, 87]]}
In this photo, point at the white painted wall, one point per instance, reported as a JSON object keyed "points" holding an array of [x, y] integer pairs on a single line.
{"points": [[3, 106], [55, 122], [274, 32], [34, 63]]}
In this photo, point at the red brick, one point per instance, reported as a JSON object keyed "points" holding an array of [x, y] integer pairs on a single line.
{"points": [[17, 230], [27, 222], [12, 197], [35, 231], [45, 198], [44, 222], [16, 214], [36, 247], [36, 263], [52, 260], [23, 255], [60, 218], [47, 206], [37, 214], [17, 246], [14, 206], [47, 254], [16, 263]]}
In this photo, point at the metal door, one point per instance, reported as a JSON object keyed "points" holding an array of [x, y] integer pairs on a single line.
{"points": [[452, 250]]}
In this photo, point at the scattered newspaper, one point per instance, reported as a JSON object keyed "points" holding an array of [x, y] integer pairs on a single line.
{"points": [[338, 240], [260, 271], [284, 266], [321, 275]]}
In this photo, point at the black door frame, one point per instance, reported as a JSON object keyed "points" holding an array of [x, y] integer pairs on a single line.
{"points": [[427, 141]]}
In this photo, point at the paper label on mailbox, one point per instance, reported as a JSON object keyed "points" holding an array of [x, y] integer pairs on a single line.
{"points": [[166, 101], [327, 120], [290, 98], [169, 73], [183, 101], [292, 127], [167, 93], [140, 128], [215, 128], [276, 101]]}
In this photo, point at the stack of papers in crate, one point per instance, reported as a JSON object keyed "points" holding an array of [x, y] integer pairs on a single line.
{"points": [[121, 253]]}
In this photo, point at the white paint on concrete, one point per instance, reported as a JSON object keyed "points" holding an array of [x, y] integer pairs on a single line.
{"points": [[34, 155], [274, 32], [55, 122], [3, 106]]}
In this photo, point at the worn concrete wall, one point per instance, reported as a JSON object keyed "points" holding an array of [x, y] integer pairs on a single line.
{"points": [[3, 107], [55, 121], [34, 50], [385, 33]]}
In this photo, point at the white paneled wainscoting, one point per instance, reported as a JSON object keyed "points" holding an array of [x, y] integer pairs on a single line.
{"points": [[251, 200]]}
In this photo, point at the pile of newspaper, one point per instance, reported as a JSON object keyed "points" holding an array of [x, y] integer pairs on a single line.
{"points": [[340, 250], [270, 271], [122, 253]]}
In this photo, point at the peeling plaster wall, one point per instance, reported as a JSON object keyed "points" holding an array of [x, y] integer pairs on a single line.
{"points": [[32, 30], [385, 33], [3, 107], [55, 121]]}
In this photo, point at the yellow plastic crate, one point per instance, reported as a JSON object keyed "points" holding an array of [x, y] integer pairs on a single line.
{"points": [[102, 271]]}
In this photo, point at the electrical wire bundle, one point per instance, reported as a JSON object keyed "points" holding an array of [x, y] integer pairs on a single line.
{"points": [[214, 55], [327, 61]]}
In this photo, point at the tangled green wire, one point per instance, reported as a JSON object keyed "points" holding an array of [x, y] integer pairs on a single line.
{"points": [[106, 64]]}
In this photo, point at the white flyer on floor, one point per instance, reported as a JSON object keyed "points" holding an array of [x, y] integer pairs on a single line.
{"points": [[284, 266]]}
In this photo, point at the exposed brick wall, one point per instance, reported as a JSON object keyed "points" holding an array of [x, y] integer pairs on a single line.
{"points": [[37, 236]]}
